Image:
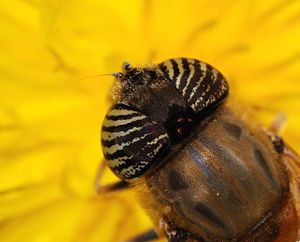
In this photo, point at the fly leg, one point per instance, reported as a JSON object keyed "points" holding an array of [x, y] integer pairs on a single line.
{"points": [[273, 132], [144, 237], [278, 123], [175, 233], [290, 159], [114, 187], [279, 145], [105, 188]]}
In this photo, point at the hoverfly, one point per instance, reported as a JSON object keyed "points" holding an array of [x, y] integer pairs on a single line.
{"points": [[208, 173]]}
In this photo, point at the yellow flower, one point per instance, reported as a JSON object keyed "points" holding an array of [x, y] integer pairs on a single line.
{"points": [[50, 118]]}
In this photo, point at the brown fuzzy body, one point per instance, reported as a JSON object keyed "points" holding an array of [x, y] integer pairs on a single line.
{"points": [[226, 183], [204, 171]]}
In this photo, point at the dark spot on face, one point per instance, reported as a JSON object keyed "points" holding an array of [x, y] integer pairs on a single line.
{"points": [[180, 119], [233, 129], [176, 181], [209, 214], [153, 75]]}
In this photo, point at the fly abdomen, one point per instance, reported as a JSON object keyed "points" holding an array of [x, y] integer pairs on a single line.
{"points": [[226, 179]]}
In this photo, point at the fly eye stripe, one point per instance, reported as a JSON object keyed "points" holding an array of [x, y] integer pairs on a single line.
{"points": [[131, 141], [201, 85]]}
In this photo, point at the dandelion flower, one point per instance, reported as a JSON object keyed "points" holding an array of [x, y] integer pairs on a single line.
{"points": [[50, 117]]}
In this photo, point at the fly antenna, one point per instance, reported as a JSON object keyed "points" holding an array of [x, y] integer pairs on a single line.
{"points": [[117, 75]]}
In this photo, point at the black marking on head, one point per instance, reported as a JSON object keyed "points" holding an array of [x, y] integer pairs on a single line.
{"points": [[209, 214], [125, 127], [153, 75], [131, 141], [176, 182], [205, 88], [202, 86], [198, 73], [133, 78], [182, 128], [233, 129], [176, 70], [185, 75], [122, 117]]}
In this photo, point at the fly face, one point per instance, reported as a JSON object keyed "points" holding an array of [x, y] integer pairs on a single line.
{"points": [[207, 174]]}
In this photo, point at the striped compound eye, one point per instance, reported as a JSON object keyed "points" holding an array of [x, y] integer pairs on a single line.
{"points": [[173, 94], [131, 141], [201, 85]]}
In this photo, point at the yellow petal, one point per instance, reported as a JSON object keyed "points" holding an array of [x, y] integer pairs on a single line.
{"points": [[50, 115]]}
